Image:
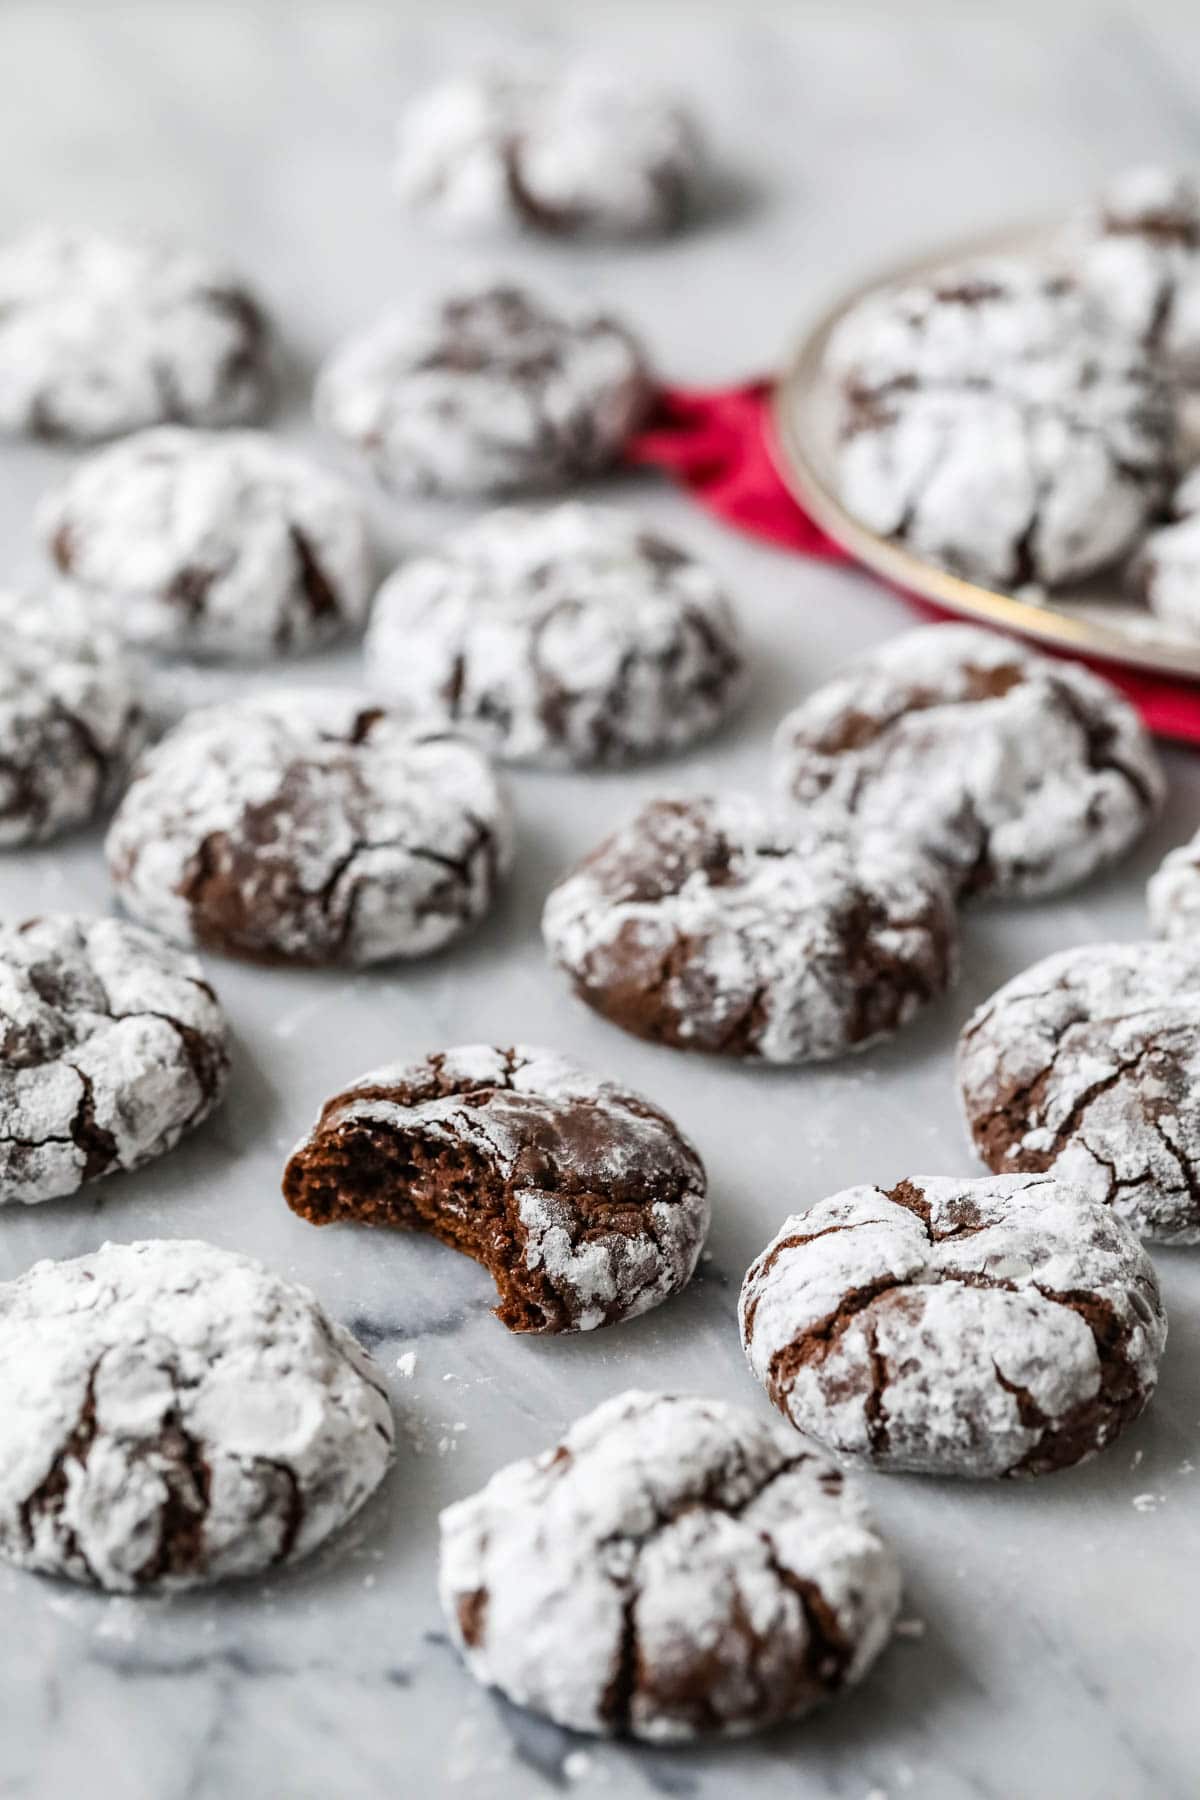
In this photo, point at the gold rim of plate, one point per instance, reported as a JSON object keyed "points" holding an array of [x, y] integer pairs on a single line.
{"points": [[802, 414]]}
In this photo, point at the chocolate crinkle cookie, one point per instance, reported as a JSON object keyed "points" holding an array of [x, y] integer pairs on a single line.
{"points": [[675, 1568], [1137, 254], [1088, 1066], [72, 719], [573, 636], [100, 336], [562, 149], [584, 1202], [1005, 1326], [1020, 774], [1173, 893], [112, 1046], [308, 827], [493, 392], [708, 924], [993, 422], [212, 544], [1166, 571], [172, 1415]]}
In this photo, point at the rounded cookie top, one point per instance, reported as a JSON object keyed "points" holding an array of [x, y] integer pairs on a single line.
{"points": [[1087, 1066], [212, 543], [1166, 572], [995, 424], [1137, 254], [1004, 1326], [308, 827], [99, 336], [1022, 775], [112, 1045], [708, 924], [172, 1414], [492, 392], [561, 149], [1173, 892], [674, 1568], [569, 637], [586, 1203], [71, 720]]}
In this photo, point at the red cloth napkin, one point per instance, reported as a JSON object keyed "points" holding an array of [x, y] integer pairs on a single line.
{"points": [[719, 446]]}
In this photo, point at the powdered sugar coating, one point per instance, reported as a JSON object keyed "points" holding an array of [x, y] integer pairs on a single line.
{"points": [[674, 1568], [1166, 571], [309, 827], [994, 423], [112, 1046], [709, 924], [559, 148], [212, 543], [71, 720], [1088, 1066], [1005, 1326], [172, 1415], [1173, 892], [1137, 254], [100, 336], [1021, 774], [586, 1201], [566, 637], [498, 391]]}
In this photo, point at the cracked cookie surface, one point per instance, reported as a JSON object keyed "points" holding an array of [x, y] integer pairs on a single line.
{"points": [[1137, 254], [566, 637], [100, 336], [993, 422], [212, 544], [559, 149], [172, 1415], [71, 720], [497, 391], [112, 1046], [674, 1568], [708, 924], [585, 1203], [1087, 1066], [310, 827], [1020, 774], [1003, 1326]]}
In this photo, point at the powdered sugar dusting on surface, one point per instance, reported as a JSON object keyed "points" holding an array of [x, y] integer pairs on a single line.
{"points": [[1022, 774], [345, 834], [1088, 1065], [100, 336], [952, 1333], [664, 1571], [173, 1414], [212, 543], [560, 637], [714, 925]]}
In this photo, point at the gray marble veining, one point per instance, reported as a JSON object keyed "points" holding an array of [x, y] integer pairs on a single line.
{"points": [[1050, 1646]]}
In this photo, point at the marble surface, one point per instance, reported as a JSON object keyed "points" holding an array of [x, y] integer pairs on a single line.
{"points": [[1049, 1645]]}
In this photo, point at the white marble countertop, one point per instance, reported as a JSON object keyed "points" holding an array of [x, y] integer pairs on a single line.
{"points": [[1052, 1648]]}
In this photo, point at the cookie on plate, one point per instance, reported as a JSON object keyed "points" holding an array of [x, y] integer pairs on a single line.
{"points": [[112, 1046], [1173, 892], [675, 1568], [1137, 253], [1166, 571], [1087, 1066], [562, 149], [994, 423], [72, 718], [99, 336], [200, 543], [1021, 774], [707, 924], [1005, 1326], [573, 636], [308, 827], [495, 391], [584, 1201], [172, 1415]]}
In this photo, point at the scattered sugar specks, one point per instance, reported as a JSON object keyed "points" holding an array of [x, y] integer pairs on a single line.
{"points": [[1147, 1502], [909, 1628], [1136, 1458], [445, 1445], [1187, 1466], [406, 1365], [578, 1765]]}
